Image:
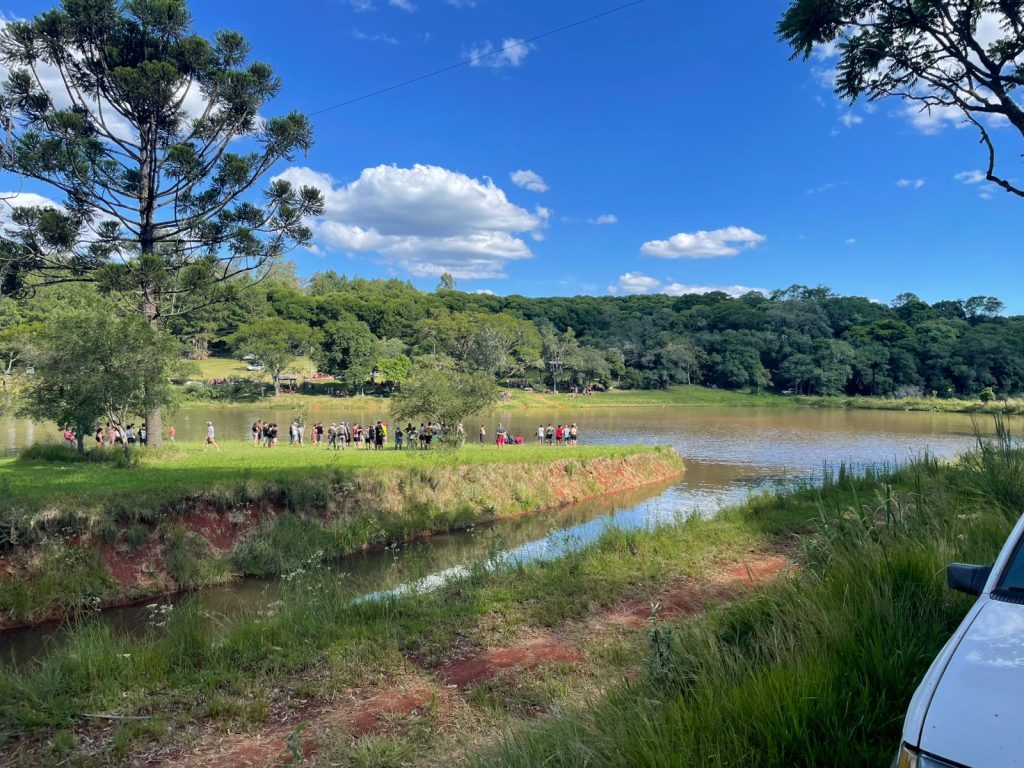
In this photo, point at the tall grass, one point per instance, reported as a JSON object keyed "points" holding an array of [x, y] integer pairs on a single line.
{"points": [[816, 669]]}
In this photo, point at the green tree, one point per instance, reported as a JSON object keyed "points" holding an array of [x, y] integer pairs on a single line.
{"points": [[94, 365], [275, 343], [152, 176], [347, 352], [393, 366], [446, 397], [936, 53]]}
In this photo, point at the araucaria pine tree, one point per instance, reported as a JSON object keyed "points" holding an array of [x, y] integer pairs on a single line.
{"points": [[154, 140]]}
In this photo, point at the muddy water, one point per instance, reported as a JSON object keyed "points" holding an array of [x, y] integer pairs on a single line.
{"points": [[729, 452]]}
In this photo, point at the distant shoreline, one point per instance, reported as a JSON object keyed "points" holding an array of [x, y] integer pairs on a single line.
{"points": [[680, 396]]}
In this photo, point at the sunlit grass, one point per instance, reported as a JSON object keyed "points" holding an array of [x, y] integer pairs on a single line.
{"points": [[189, 468]]}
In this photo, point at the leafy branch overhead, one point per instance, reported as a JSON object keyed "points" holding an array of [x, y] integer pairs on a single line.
{"points": [[154, 139], [959, 56]]}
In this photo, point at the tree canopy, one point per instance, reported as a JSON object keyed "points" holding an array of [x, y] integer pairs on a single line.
{"points": [[947, 56], [97, 365]]}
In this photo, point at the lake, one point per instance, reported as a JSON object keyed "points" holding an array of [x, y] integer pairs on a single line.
{"points": [[729, 453]]}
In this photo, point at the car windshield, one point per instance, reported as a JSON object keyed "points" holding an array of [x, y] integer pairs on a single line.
{"points": [[1013, 575]]}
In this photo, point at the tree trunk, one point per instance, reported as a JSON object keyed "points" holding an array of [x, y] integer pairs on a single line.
{"points": [[277, 385], [81, 439], [155, 418], [147, 246]]}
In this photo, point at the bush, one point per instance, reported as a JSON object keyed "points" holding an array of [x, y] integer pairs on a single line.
{"points": [[57, 453], [987, 395]]}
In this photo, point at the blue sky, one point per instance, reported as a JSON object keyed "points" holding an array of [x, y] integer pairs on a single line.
{"points": [[720, 162]]}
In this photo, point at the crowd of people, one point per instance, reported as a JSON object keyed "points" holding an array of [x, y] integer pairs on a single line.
{"points": [[562, 434], [341, 435]]}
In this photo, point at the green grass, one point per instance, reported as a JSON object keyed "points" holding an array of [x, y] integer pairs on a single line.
{"points": [[164, 476], [807, 671], [230, 368], [814, 669], [271, 510]]}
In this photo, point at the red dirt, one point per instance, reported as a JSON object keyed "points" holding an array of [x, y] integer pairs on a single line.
{"points": [[690, 597], [360, 715], [463, 673], [269, 748], [217, 527], [758, 570], [129, 568]]}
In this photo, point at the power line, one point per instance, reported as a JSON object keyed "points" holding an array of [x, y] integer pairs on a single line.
{"points": [[474, 59]]}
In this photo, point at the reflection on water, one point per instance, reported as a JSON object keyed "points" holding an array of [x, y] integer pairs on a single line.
{"points": [[729, 453]]}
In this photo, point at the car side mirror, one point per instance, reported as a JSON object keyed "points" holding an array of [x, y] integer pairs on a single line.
{"points": [[969, 579]]}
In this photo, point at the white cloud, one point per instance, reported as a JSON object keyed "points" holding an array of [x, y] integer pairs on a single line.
{"points": [[850, 241], [825, 51], [970, 177], [379, 37], [681, 289], [636, 282], [361, 5], [910, 183], [703, 244], [850, 119], [405, 5], [605, 219], [426, 219], [510, 53], [11, 200], [530, 180], [931, 120]]}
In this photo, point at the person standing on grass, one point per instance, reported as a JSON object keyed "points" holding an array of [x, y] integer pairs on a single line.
{"points": [[502, 435], [332, 436], [99, 437], [540, 435], [460, 433], [573, 433], [549, 434], [143, 435], [559, 434], [398, 438], [171, 433], [256, 432], [211, 437], [483, 434]]}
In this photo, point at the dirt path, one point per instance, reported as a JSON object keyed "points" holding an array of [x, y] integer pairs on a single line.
{"points": [[440, 689]]}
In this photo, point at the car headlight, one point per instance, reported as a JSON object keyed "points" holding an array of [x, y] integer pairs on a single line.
{"points": [[911, 758]]}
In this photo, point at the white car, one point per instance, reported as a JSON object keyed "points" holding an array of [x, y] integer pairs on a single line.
{"points": [[968, 711]]}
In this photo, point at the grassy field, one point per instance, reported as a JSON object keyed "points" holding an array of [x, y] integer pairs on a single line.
{"points": [[230, 368], [187, 469], [814, 666]]}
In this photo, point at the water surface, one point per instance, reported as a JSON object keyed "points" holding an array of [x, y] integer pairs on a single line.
{"points": [[729, 453]]}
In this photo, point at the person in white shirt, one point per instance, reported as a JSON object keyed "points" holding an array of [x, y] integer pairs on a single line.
{"points": [[211, 438]]}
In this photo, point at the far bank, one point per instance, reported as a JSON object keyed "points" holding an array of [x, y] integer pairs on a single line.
{"points": [[516, 400]]}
